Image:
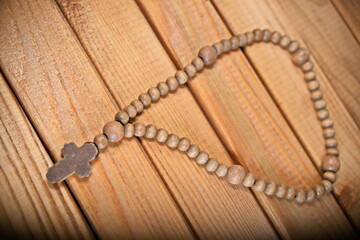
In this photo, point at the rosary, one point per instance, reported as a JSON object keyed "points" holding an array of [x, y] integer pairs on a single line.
{"points": [[76, 159]]}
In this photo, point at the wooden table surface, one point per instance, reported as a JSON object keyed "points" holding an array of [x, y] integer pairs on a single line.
{"points": [[68, 66]]}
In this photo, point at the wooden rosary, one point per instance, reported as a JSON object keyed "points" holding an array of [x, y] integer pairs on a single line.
{"points": [[77, 159]]}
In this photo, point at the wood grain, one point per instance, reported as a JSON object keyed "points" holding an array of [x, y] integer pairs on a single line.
{"points": [[66, 100], [289, 90], [245, 116], [26, 198], [130, 58]]}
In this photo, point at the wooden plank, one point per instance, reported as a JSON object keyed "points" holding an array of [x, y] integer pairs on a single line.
{"points": [[66, 101], [29, 206], [129, 56], [350, 12], [289, 90], [246, 118]]}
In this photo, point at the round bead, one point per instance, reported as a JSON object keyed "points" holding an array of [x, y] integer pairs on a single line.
{"points": [[139, 129], [329, 176], [300, 196], [234, 43], [114, 131], [322, 114], [150, 131], [236, 174], [163, 88], [101, 141], [131, 110], [181, 76], [193, 151], [190, 70], [202, 158], [280, 191], [313, 85], [249, 180], [290, 193], [172, 83], [172, 141], [145, 99], [249, 38], [258, 35], [122, 117], [308, 66], [219, 48], [330, 163], [327, 123], [222, 170], [211, 165], [154, 93], [226, 45], [319, 191], [310, 195], [285, 41], [332, 152], [320, 104], [309, 76], [208, 55], [198, 63], [275, 37], [184, 144], [242, 40], [270, 189], [259, 185], [327, 185], [139, 107], [293, 46], [301, 56], [162, 135], [331, 143], [316, 95], [329, 132], [266, 35], [129, 130]]}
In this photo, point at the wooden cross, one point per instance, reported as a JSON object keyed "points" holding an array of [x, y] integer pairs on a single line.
{"points": [[75, 160]]}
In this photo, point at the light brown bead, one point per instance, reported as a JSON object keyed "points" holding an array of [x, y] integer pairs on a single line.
{"points": [[258, 35], [131, 110], [190, 70], [308, 66], [129, 130], [145, 99], [226, 45], [275, 37], [293, 46], [301, 56], [309, 76], [139, 107], [101, 141], [266, 35], [222, 170], [332, 152], [259, 185], [320, 104], [162, 135], [285, 41], [208, 55], [154, 94], [122, 117], [327, 185], [139, 129], [300, 196], [313, 85], [270, 189], [329, 133], [202, 158], [290, 193], [193, 151], [242, 40], [280, 191], [236, 174], [163, 88], [319, 191], [198, 63], [219, 48], [172, 83], [329, 176], [316, 95], [310, 195], [330, 163], [114, 131], [150, 131], [327, 123], [331, 143], [181, 76], [184, 144], [172, 141], [211, 165], [235, 44], [322, 114], [249, 180], [249, 38]]}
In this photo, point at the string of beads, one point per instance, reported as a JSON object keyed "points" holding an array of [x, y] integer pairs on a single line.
{"points": [[114, 131]]}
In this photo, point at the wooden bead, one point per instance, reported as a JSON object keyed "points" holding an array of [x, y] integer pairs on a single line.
{"points": [[330, 163], [222, 170], [331, 176], [266, 35], [131, 110], [122, 117], [145, 99], [313, 85], [290, 193], [172, 141], [208, 55], [316, 95], [331, 143], [249, 38], [319, 191], [301, 56], [327, 123], [202, 158], [162, 135], [322, 114], [332, 152], [285, 41], [259, 185], [329, 133], [300, 196], [327, 185], [258, 35], [150, 131], [309, 76], [242, 40], [101, 141], [139, 129], [172, 83], [154, 94], [270, 189], [139, 107], [129, 130], [235, 44], [275, 37], [181, 76], [211, 165], [280, 191], [190, 70], [249, 180], [236, 174], [219, 48], [293, 46], [226, 45], [310, 195], [184, 144], [163, 88], [193, 151], [320, 104], [198, 63], [308, 66], [114, 131]]}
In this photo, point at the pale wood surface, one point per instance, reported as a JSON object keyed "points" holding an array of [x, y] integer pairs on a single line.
{"points": [[73, 64]]}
